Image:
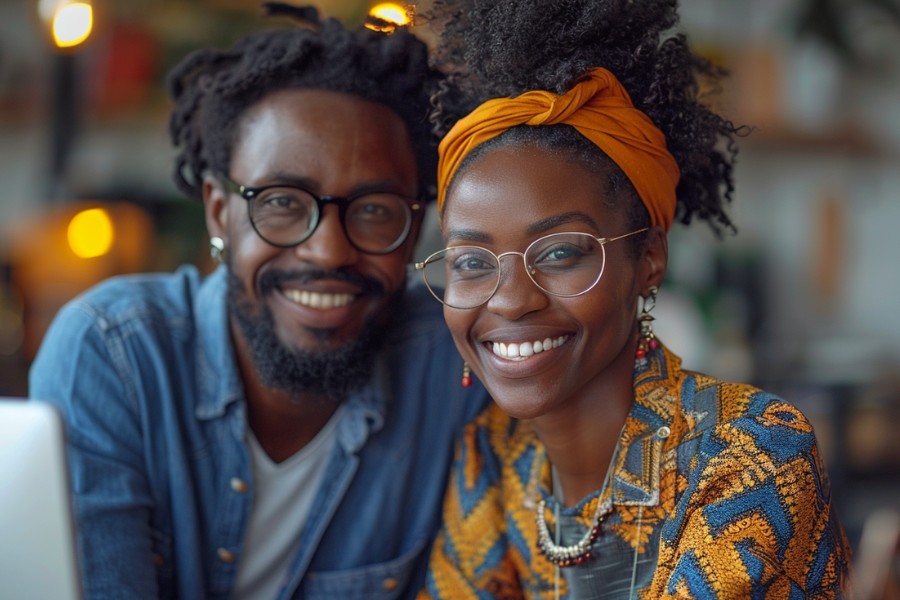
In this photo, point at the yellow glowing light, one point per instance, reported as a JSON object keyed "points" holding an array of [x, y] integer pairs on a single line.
{"points": [[391, 12], [90, 233], [72, 24]]}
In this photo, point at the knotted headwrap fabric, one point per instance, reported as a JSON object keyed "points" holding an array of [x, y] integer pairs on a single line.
{"points": [[601, 110]]}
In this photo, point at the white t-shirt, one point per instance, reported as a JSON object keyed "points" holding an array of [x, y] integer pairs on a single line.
{"points": [[283, 496]]}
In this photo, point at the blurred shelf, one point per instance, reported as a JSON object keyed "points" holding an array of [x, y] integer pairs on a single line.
{"points": [[850, 141]]}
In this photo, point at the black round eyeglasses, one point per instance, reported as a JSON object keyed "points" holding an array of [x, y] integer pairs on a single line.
{"points": [[287, 215]]}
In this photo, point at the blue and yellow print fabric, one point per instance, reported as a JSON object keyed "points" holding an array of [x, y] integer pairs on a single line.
{"points": [[719, 491]]}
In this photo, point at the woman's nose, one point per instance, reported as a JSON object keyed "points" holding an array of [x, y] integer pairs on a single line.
{"points": [[517, 294]]}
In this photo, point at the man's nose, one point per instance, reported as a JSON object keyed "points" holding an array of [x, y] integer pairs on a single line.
{"points": [[328, 247]]}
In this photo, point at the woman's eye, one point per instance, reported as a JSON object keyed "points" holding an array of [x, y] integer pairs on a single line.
{"points": [[559, 252], [472, 262]]}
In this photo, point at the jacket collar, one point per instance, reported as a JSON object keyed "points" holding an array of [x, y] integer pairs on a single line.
{"points": [[647, 432], [648, 428]]}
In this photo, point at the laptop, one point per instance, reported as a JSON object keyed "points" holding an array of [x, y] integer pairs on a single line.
{"points": [[37, 537]]}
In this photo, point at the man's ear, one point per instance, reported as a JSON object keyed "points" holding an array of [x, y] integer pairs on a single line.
{"points": [[215, 206], [654, 261]]}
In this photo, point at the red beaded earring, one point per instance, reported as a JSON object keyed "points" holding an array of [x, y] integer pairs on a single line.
{"points": [[467, 375], [648, 339]]}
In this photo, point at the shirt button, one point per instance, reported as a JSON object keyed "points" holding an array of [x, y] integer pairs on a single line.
{"points": [[157, 560], [663, 432], [238, 485], [225, 556], [390, 584]]}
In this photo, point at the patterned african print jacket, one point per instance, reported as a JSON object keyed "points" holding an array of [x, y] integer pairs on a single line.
{"points": [[718, 491]]}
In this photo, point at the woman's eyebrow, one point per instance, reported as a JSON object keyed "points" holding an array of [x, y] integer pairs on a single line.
{"points": [[476, 235], [467, 235], [561, 219]]}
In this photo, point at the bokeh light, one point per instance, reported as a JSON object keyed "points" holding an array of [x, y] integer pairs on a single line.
{"points": [[395, 14], [72, 24], [90, 233]]}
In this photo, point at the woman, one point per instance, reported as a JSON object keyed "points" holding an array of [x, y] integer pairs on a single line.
{"points": [[604, 470]]}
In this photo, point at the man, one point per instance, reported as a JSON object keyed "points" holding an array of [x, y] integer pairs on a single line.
{"points": [[284, 427]]}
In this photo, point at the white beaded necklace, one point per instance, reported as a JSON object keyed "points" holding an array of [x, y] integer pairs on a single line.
{"points": [[578, 553]]}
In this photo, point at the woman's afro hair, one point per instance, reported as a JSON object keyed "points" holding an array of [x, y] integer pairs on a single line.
{"points": [[502, 48]]}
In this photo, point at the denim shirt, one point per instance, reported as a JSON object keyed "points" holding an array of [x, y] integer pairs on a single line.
{"points": [[143, 370]]}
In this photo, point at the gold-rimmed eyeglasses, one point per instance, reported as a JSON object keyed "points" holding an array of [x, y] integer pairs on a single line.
{"points": [[560, 264]]}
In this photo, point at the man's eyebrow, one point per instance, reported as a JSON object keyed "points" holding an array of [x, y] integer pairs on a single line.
{"points": [[313, 185], [285, 178]]}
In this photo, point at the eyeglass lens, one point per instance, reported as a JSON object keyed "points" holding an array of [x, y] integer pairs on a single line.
{"points": [[564, 264], [286, 216]]}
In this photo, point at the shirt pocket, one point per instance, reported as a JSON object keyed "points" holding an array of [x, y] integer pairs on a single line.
{"points": [[382, 581]]}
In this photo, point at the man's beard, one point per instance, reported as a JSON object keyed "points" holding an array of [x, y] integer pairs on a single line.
{"points": [[328, 374]]}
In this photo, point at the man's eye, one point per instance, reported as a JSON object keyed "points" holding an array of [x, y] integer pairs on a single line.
{"points": [[377, 209], [373, 212], [280, 201]]}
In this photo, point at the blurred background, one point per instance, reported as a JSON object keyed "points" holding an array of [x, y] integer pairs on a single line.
{"points": [[803, 301]]}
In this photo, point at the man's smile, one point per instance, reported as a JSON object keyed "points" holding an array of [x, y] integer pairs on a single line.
{"points": [[319, 300]]}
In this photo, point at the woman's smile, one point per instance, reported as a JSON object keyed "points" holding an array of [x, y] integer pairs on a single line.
{"points": [[537, 359], [524, 350]]}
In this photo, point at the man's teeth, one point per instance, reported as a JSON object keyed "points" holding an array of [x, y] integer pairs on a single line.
{"points": [[318, 299], [526, 349]]}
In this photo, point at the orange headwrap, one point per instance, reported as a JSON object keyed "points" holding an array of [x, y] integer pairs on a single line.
{"points": [[601, 110]]}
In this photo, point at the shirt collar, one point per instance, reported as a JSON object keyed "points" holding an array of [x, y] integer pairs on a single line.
{"points": [[365, 410], [219, 383]]}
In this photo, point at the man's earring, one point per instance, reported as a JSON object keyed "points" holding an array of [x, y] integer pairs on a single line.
{"points": [[217, 249], [467, 375], [647, 341]]}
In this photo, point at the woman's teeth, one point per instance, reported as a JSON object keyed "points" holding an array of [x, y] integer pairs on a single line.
{"points": [[318, 299], [525, 349]]}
